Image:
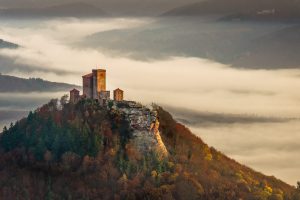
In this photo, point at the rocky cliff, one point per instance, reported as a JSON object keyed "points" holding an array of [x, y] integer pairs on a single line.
{"points": [[144, 124]]}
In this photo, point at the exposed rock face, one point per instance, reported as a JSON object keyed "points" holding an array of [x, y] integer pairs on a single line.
{"points": [[160, 145], [145, 127]]}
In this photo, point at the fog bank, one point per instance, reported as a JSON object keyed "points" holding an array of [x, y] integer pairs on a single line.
{"points": [[197, 84]]}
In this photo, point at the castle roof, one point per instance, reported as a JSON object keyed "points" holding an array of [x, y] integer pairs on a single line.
{"points": [[74, 90], [88, 75], [118, 89], [101, 70]]}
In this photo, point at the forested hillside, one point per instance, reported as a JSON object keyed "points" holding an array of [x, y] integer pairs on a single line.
{"points": [[83, 151]]}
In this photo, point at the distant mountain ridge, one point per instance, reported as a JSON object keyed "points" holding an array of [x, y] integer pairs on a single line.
{"points": [[78, 9], [248, 45], [16, 84], [9, 45], [242, 9]]}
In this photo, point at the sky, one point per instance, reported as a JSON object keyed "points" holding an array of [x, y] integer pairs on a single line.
{"points": [[190, 83]]}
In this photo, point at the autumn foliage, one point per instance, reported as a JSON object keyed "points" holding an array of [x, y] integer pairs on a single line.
{"points": [[83, 151]]}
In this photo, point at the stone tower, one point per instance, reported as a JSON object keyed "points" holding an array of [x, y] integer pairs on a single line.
{"points": [[99, 82], [87, 84], [94, 83]]}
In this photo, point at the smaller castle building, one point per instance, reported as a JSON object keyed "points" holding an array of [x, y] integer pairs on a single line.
{"points": [[118, 94], [74, 96]]}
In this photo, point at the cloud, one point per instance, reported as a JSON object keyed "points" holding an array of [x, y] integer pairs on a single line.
{"points": [[211, 91], [8, 116], [11, 65], [45, 46], [194, 118], [190, 82], [14, 106], [243, 45], [11, 114], [26, 101], [254, 91], [270, 148]]}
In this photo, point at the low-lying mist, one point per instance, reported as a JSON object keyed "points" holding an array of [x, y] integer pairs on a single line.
{"points": [[193, 83], [269, 144], [271, 148]]}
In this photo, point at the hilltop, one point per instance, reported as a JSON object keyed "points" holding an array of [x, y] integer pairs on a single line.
{"points": [[120, 151], [16, 84]]}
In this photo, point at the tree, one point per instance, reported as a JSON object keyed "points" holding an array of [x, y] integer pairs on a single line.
{"points": [[48, 156], [64, 100], [4, 130], [53, 104], [49, 193], [296, 195], [30, 117], [40, 149], [11, 125], [110, 104]]}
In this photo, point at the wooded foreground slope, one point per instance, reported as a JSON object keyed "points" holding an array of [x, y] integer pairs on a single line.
{"points": [[83, 151]]}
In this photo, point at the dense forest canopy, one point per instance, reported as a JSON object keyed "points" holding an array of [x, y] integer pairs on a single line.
{"points": [[82, 151]]}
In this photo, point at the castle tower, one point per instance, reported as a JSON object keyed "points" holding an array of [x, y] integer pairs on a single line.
{"points": [[87, 84], [118, 94], [99, 82]]}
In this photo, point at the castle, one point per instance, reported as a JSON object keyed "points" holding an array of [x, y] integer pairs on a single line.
{"points": [[142, 120], [94, 87]]}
